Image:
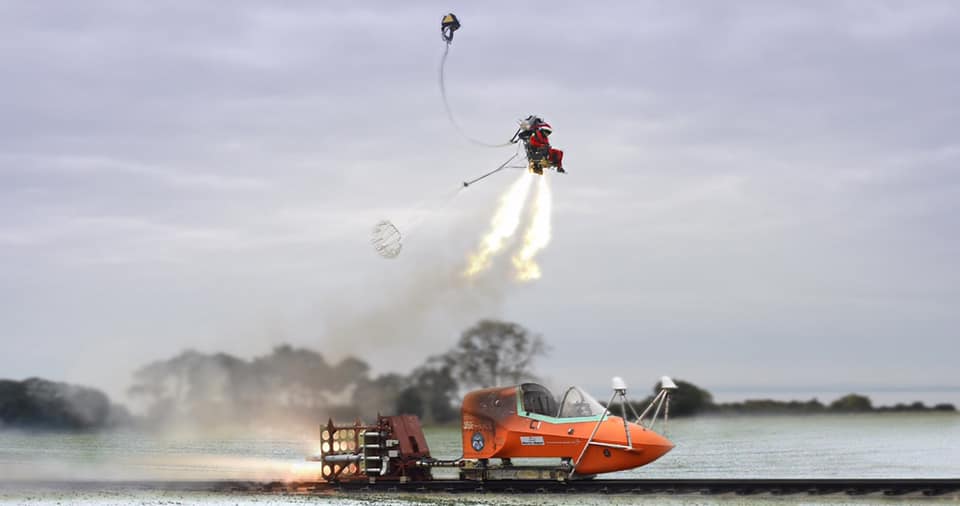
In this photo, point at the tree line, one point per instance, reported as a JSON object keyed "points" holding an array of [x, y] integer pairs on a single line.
{"points": [[36, 403], [292, 386], [295, 384], [689, 399]]}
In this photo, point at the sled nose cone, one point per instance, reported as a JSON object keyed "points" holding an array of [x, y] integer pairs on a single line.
{"points": [[651, 445], [658, 446]]}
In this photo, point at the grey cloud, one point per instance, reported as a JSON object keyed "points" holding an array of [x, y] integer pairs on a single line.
{"points": [[747, 181]]}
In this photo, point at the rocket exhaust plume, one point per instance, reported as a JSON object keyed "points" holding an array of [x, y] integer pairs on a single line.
{"points": [[502, 227], [537, 236]]}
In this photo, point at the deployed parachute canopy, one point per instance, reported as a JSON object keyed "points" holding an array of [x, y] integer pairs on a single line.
{"points": [[448, 25], [386, 239]]}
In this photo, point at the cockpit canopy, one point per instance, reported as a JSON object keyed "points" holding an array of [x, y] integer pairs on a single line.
{"points": [[537, 399], [575, 403]]}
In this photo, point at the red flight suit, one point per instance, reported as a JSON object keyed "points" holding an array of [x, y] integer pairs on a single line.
{"points": [[539, 140]]}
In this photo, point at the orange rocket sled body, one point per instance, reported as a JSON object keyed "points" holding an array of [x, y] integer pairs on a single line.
{"points": [[526, 421]]}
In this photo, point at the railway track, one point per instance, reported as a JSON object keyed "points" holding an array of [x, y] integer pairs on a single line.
{"points": [[853, 487], [888, 487]]}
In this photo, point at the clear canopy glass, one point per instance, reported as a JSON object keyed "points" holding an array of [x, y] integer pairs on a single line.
{"points": [[578, 404]]}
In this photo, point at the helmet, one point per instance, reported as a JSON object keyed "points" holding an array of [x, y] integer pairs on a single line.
{"points": [[531, 122]]}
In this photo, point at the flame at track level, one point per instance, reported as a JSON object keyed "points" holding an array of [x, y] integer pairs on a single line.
{"points": [[537, 236], [502, 227]]}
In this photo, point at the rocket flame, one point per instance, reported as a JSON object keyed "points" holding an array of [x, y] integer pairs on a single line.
{"points": [[502, 227], [537, 236]]}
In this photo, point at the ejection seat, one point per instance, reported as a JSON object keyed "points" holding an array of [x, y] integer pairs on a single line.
{"points": [[537, 399], [538, 159]]}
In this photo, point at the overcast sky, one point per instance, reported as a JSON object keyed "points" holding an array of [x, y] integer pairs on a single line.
{"points": [[760, 194]]}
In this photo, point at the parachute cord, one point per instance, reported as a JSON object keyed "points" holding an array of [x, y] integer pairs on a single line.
{"points": [[446, 106], [425, 207]]}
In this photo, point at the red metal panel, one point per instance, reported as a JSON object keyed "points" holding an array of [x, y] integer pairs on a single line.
{"points": [[406, 429]]}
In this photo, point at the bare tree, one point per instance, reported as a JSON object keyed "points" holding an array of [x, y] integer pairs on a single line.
{"points": [[493, 353]]}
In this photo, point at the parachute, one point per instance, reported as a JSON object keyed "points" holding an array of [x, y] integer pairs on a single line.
{"points": [[448, 25], [386, 239]]}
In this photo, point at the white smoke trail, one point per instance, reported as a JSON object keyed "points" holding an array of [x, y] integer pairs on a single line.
{"points": [[503, 226], [537, 236]]}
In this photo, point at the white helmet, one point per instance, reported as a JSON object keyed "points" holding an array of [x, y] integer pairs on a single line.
{"points": [[530, 122]]}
